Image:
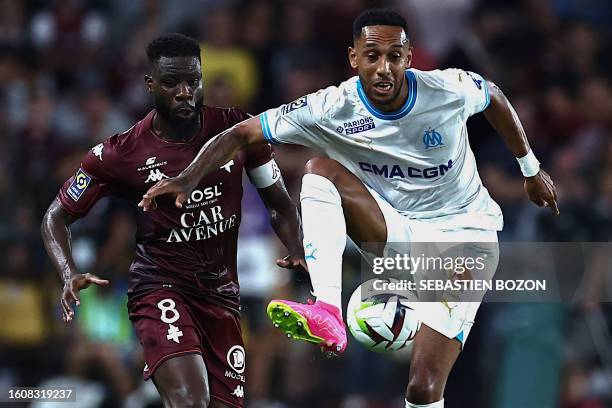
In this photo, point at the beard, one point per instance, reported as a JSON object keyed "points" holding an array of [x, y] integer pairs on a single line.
{"points": [[182, 128]]}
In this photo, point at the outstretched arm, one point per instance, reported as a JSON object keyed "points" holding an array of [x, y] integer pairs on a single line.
{"points": [[285, 220], [219, 150], [56, 237], [502, 116]]}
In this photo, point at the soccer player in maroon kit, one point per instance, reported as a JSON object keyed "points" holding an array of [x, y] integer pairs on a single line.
{"points": [[183, 286]]}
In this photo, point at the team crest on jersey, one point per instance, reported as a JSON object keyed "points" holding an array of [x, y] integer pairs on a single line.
{"points": [[432, 139], [297, 104], [79, 185], [357, 126]]}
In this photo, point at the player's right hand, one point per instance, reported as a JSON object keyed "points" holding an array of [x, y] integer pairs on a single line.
{"points": [[178, 187], [70, 293]]}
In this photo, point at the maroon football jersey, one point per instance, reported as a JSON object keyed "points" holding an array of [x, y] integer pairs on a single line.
{"points": [[191, 249]]}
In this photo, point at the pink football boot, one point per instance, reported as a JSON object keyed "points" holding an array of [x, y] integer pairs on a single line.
{"points": [[316, 322]]}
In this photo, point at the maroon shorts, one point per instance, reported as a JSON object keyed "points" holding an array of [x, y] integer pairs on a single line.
{"points": [[170, 324]]}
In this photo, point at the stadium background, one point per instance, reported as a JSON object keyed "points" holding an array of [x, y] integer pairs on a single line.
{"points": [[70, 64]]}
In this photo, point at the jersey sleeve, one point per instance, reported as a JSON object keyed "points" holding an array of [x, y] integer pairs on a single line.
{"points": [[297, 122], [472, 87], [93, 180]]}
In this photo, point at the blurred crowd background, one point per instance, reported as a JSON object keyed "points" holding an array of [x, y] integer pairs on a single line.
{"points": [[71, 65]]}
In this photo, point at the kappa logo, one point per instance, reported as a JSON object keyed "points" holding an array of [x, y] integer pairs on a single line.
{"points": [[155, 176], [235, 358], [239, 391], [432, 138], [97, 150]]}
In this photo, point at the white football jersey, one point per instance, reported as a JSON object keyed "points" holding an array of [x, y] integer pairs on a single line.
{"points": [[418, 158]]}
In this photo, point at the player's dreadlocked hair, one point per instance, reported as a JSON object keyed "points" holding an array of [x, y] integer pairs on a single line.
{"points": [[172, 45], [378, 16]]}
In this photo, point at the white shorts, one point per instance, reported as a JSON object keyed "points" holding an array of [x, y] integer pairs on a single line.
{"points": [[453, 319]]}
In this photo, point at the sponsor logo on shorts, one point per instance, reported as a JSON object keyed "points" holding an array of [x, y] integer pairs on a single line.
{"points": [[235, 358], [234, 375], [79, 184]]}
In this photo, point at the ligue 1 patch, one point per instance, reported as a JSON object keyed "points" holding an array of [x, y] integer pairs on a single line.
{"points": [[297, 104], [79, 185]]}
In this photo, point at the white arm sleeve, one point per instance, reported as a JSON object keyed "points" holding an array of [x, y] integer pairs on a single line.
{"points": [[264, 175], [297, 122], [473, 88]]}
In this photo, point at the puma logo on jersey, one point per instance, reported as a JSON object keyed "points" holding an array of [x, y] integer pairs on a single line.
{"points": [[155, 176]]}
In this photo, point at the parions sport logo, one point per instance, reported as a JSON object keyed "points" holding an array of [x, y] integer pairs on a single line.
{"points": [[357, 126], [396, 171]]}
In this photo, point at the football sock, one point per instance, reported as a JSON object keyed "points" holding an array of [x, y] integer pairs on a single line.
{"points": [[439, 404], [324, 237]]}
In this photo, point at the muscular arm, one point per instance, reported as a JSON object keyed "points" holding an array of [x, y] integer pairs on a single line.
{"points": [[502, 116], [504, 119], [285, 220], [219, 150], [56, 237]]}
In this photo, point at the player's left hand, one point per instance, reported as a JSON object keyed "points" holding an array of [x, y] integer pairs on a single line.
{"points": [[178, 187], [541, 190], [293, 262]]}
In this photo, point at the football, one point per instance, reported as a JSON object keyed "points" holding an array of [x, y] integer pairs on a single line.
{"points": [[382, 321]]}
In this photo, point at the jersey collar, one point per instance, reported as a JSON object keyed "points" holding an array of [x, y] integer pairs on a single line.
{"points": [[403, 111]]}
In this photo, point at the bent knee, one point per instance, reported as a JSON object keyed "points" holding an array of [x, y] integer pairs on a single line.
{"points": [[424, 389], [188, 398], [324, 167]]}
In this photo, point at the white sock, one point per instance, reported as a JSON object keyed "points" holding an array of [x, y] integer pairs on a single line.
{"points": [[324, 237], [439, 404]]}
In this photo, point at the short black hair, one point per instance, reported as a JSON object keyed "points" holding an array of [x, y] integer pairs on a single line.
{"points": [[172, 45], [378, 16]]}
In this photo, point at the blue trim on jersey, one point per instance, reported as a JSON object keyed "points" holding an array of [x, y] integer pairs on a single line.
{"points": [[460, 336], [265, 127], [412, 95], [488, 96]]}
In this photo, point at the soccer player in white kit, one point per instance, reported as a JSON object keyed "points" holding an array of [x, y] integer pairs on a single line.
{"points": [[398, 168]]}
